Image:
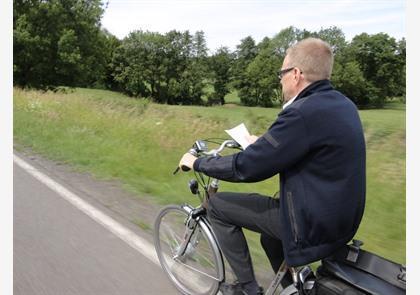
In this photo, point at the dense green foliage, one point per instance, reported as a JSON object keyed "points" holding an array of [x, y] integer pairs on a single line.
{"points": [[382, 62], [369, 69], [258, 83], [168, 68], [221, 66], [58, 42], [61, 43]]}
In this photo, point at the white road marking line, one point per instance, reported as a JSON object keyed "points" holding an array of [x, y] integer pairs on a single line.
{"points": [[128, 236]]}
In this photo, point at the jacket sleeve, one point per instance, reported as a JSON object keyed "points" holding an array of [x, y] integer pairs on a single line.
{"points": [[283, 145]]}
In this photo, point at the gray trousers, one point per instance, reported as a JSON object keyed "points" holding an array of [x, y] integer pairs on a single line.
{"points": [[229, 213]]}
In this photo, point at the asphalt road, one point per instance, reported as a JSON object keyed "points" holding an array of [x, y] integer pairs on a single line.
{"points": [[58, 249]]}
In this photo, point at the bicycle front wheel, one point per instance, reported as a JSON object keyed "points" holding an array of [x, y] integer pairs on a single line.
{"points": [[200, 270]]}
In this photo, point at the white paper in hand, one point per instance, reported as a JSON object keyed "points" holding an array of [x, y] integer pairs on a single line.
{"points": [[238, 133]]}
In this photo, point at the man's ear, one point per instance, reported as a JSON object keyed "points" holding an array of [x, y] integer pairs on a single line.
{"points": [[296, 75]]}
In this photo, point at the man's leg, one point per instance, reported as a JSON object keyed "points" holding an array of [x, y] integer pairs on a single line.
{"points": [[274, 250], [229, 213]]}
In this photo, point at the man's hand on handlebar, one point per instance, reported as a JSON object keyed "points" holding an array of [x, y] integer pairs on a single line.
{"points": [[187, 160]]}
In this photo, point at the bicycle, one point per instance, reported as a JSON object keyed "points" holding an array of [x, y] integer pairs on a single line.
{"points": [[187, 247]]}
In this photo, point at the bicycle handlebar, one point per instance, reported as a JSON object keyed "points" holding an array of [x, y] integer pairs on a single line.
{"points": [[230, 143], [200, 148]]}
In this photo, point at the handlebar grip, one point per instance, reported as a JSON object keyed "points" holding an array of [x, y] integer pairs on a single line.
{"points": [[185, 168]]}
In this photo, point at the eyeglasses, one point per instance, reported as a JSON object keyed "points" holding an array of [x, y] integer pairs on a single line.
{"points": [[281, 73]]}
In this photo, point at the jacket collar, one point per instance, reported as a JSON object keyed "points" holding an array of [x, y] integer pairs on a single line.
{"points": [[317, 86]]}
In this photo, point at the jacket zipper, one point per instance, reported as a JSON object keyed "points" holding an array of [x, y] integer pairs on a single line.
{"points": [[292, 217]]}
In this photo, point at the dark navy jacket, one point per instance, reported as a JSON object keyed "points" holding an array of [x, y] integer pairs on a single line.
{"points": [[318, 148]]}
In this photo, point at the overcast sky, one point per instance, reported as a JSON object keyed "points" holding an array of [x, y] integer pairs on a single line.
{"points": [[226, 22]]}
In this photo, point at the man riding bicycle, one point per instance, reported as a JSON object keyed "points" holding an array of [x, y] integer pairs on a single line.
{"points": [[317, 146]]}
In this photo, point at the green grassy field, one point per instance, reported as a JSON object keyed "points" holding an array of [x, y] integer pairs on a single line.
{"points": [[140, 143]]}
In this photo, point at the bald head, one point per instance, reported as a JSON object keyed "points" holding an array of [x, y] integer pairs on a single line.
{"points": [[314, 57]]}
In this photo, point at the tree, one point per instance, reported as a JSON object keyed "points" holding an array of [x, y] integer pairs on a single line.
{"points": [[400, 80], [198, 67], [199, 46], [138, 65], [188, 67], [286, 38], [348, 79], [333, 36], [260, 84], [381, 62], [220, 64], [167, 68], [109, 44], [245, 53], [56, 42]]}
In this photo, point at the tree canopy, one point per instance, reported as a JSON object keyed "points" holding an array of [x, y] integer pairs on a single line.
{"points": [[62, 43], [57, 42]]}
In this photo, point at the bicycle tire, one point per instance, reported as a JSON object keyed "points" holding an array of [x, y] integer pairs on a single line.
{"points": [[200, 270]]}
